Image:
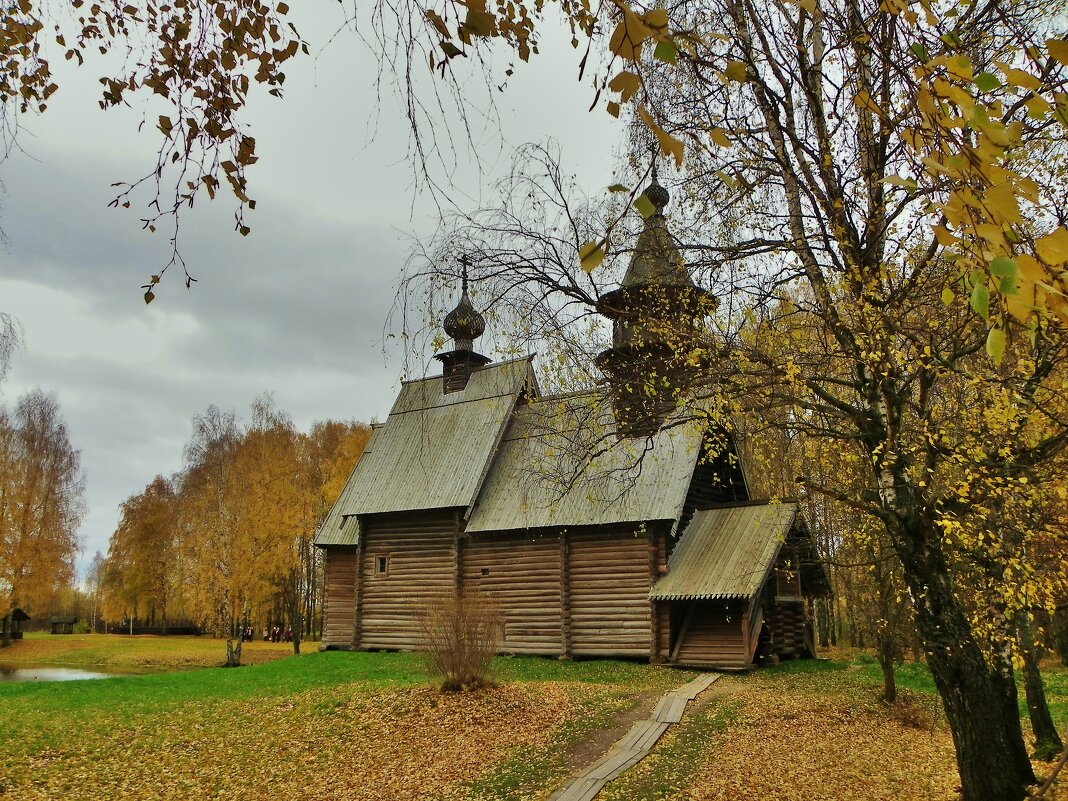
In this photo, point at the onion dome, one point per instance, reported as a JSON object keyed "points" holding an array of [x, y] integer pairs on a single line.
{"points": [[657, 195], [464, 323]]}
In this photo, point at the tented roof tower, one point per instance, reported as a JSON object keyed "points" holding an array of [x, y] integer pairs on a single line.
{"points": [[652, 311]]}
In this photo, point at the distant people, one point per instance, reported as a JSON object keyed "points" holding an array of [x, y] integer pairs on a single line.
{"points": [[276, 634], [266, 634], [288, 635]]}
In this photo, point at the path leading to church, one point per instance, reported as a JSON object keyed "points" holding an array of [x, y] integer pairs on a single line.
{"points": [[636, 745]]}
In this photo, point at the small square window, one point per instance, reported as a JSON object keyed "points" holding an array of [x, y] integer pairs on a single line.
{"points": [[382, 565], [485, 571]]}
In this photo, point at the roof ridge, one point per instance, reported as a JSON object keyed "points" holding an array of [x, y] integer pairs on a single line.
{"points": [[529, 358]]}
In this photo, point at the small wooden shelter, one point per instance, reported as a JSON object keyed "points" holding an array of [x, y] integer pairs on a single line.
{"points": [[15, 620], [597, 530], [63, 624]]}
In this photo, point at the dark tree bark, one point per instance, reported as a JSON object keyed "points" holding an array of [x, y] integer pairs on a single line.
{"points": [[979, 700], [887, 654], [1047, 739], [295, 622], [825, 620], [5, 634], [233, 642]]}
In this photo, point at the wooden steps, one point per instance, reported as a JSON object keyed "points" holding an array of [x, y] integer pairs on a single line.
{"points": [[634, 746]]}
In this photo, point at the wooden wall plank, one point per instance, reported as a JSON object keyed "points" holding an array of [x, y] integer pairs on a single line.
{"points": [[419, 547], [520, 574], [339, 571], [609, 582], [713, 636]]}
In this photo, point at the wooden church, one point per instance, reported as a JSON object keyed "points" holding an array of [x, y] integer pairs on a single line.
{"points": [[597, 529]]}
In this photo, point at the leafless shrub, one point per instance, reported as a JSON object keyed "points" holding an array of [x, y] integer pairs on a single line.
{"points": [[461, 632]]}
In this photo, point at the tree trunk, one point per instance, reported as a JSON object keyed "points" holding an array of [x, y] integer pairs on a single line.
{"points": [[5, 634], [886, 663], [826, 621], [1047, 740], [980, 704], [233, 644], [295, 623]]}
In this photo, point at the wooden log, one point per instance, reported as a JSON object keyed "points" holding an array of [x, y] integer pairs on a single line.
{"points": [[357, 600], [565, 596], [654, 574]]}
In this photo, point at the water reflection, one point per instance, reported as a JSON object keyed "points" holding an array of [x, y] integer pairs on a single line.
{"points": [[48, 673]]}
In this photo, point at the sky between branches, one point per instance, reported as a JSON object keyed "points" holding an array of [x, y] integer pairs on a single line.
{"points": [[298, 308]]}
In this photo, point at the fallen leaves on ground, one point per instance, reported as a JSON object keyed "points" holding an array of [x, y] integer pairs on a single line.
{"points": [[141, 651], [352, 741], [824, 736]]}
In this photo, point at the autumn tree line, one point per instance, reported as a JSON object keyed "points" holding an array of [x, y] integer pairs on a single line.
{"points": [[226, 543]]}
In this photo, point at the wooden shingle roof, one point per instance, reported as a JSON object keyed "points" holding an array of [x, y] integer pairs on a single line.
{"points": [[726, 552], [433, 450], [560, 464]]}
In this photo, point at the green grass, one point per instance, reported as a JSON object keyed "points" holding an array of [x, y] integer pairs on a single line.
{"points": [[916, 677], [593, 671], [307, 671], [155, 691], [87, 717]]}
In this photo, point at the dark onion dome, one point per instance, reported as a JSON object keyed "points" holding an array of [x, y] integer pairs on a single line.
{"points": [[657, 195], [464, 324]]}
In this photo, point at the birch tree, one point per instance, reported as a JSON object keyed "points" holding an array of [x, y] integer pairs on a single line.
{"points": [[139, 571], [41, 504], [215, 558]]}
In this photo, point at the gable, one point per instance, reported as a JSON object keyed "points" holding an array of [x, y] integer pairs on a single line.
{"points": [[726, 552], [433, 450]]}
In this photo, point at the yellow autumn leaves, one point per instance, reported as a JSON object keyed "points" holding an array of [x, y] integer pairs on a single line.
{"points": [[974, 153]]}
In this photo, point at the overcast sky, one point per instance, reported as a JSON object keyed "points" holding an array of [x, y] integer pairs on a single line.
{"points": [[297, 308]]}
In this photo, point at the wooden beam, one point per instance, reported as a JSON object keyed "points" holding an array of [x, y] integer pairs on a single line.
{"points": [[682, 631], [457, 555], [565, 594], [357, 599], [654, 574], [745, 634]]}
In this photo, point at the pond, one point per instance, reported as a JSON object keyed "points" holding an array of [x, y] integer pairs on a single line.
{"points": [[18, 672]]}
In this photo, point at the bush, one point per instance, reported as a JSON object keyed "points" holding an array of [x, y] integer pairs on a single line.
{"points": [[461, 632]]}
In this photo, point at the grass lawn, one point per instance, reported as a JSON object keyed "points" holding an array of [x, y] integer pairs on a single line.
{"points": [[915, 676], [369, 726], [816, 731], [321, 725], [124, 652]]}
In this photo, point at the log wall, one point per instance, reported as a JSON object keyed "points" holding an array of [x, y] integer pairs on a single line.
{"points": [[339, 595], [521, 574], [610, 609], [662, 610], [786, 628], [579, 592], [421, 566]]}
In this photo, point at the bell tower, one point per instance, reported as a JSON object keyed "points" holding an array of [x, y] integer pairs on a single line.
{"points": [[655, 313]]}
